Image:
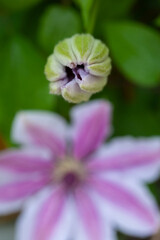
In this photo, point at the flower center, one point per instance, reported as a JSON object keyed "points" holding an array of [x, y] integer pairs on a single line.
{"points": [[69, 171], [74, 72]]}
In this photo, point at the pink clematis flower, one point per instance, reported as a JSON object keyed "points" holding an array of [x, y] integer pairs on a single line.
{"points": [[81, 188]]}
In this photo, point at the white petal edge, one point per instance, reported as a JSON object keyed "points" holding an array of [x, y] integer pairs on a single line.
{"points": [[79, 233], [50, 121], [148, 173], [25, 223], [121, 220]]}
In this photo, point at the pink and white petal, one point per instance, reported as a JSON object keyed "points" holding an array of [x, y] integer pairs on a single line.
{"points": [[40, 128], [26, 161], [128, 204], [91, 125], [7, 208], [89, 223], [139, 158], [14, 193], [88, 215], [46, 216], [80, 233]]}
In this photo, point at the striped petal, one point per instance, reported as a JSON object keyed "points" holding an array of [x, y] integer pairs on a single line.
{"points": [[42, 129], [128, 204], [22, 173], [138, 158], [90, 223], [89, 215], [91, 125], [26, 161], [14, 194], [46, 216]]}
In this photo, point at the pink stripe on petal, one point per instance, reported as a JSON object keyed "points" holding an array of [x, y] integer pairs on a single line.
{"points": [[20, 162], [124, 161], [122, 198], [49, 215], [17, 190], [44, 138], [91, 126], [90, 217]]}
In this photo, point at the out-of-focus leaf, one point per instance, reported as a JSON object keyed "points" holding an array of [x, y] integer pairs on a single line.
{"points": [[57, 23], [23, 85], [115, 8], [18, 4], [157, 21], [138, 117], [136, 109], [9, 24], [141, 122], [136, 51]]}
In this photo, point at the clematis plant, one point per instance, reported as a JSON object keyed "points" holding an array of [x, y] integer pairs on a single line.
{"points": [[73, 186], [78, 67]]}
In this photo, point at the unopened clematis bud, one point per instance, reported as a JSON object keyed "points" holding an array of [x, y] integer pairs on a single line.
{"points": [[78, 67]]}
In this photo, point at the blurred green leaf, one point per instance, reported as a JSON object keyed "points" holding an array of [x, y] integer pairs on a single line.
{"points": [[56, 24], [136, 122], [157, 21], [135, 109], [115, 8], [11, 24], [23, 85], [136, 51], [140, 116], [17, 4]]}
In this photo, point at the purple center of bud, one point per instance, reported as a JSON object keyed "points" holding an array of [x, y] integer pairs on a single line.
{"points": [[75, 72]]}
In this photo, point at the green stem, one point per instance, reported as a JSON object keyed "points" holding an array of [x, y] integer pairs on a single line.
{"points": [[93, 17]]}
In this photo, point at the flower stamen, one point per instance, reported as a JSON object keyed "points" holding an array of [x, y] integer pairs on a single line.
{"points": [[69, 171], [73, 73]]}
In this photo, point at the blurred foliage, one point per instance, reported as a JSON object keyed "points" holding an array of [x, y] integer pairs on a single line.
{"points": [[137, 51], [51, 31], [30, 29], [157, 21], [113, 9], [20, 87], [15, 5]]}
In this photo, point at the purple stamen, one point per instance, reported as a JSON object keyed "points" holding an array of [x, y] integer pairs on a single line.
{"points": [[70, 179], [72, 73]]}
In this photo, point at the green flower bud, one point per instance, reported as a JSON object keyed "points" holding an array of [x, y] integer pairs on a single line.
{"points": [[78, 67]]}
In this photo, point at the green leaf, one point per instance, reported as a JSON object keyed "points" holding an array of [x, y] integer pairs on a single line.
{"points": [[136, 51], [136, 109], [56, 24], [17, 4], [115, 8], [23, 85], [157, 21]]}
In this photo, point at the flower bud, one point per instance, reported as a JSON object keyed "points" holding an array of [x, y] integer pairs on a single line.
{"points": [[78, 67]]}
